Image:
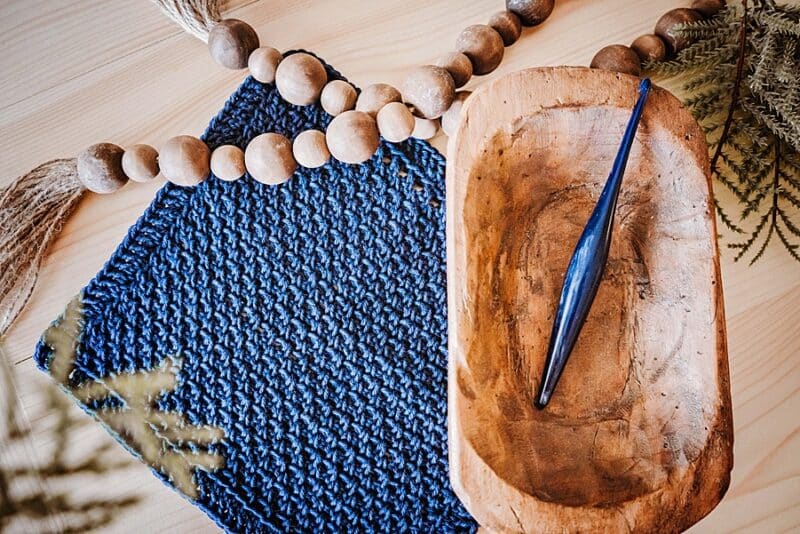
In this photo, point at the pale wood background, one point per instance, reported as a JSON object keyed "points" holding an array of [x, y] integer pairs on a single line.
{"points": [[75, 72]]}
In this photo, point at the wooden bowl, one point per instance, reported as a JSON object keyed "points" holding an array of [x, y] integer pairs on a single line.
{"points": [[638, 435]]}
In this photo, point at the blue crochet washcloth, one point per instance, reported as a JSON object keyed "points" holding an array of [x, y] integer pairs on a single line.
{"points": [[278, 354]]}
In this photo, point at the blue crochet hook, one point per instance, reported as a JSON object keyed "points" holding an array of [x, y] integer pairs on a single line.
{"points": [[587, 263]]}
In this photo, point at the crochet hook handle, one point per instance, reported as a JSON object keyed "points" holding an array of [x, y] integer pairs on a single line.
{"points": [[587, 263]]}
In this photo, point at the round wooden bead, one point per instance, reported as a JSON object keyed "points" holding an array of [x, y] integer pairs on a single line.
{"points": [[395, 122], [310, 149], [300, 79], [263, 63], [185, 160], [508, 25], [430, 89], [483, 46], [353, 137], [227, 162], [231, 41], [452, 116], [708, 8], [425, 128], [670, 19], [458, 65], [375, 96], [617, 58], [140, 163], [531, 12], [649, 48], [337, 97], [269, 160], [100, 168]]}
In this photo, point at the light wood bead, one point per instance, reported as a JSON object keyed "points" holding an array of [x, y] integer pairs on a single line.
{"points": [[227, 163], [430, 89], [300, 79], [458, 65], [353, 137], [100, 168], [310, 149], [425, 128], [185, 160], [269, 159], [649, 48], [375, 96], [337, 97], [452, 116], [668, 21], [395, 122], [483, 46], [140, 163], [508, 25], [708, 8], [617, 58], [531, 12], [263, 63], [231, 41]]}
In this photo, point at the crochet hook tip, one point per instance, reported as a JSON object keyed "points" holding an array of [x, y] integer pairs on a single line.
{"points": [[542, 400]]}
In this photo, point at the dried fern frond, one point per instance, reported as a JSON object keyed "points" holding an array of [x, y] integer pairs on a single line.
{"points": [[741, 80]]}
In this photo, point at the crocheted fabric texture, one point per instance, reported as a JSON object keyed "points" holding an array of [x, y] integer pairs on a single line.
{"points": [[278, 354]]}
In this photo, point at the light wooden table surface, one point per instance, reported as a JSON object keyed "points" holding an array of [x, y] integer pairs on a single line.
{"points": [[76, 72]]}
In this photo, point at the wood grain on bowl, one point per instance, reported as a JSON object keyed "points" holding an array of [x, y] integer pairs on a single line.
{"points": [[638, 436]]}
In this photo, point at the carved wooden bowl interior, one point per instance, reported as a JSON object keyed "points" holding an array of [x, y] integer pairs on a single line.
{"points": [[638, 434]]}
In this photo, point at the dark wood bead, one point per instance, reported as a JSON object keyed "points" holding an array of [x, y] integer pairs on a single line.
{"points": [[650, 48], [708, 8], [430, 89], [100, 168], [617, 58], [231, 41], [531, 12], [483, 46], [668, 21], [458, 65], [508, 25]]}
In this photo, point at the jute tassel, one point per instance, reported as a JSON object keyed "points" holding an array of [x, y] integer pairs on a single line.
{"points": [[33, 209], [194, 16]]}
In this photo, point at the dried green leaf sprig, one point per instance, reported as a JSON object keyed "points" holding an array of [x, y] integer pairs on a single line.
{"points": [[741, 80]]}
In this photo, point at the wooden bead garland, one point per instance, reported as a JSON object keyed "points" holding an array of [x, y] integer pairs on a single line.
{"points": [[263, 63], [531, 12], [508, 25], [100, 168], [227, 163], [483, 46], [618, 58], [231, 42], [375, 96], [185, 160], [300, 79], [337, 97], [140, 163], [430, 89], [650, 48], [458, 65], [668, 21], [269, 159], [395, 122], [310, 149], [353, 137]]}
